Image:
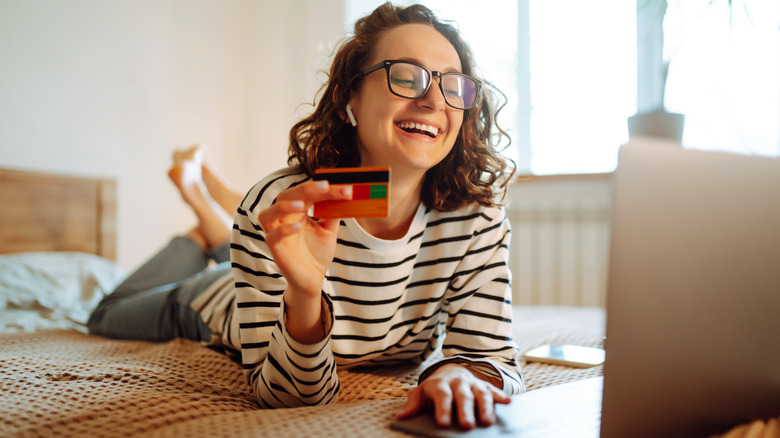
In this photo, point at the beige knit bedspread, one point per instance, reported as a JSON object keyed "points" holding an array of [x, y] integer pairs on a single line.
{"points": [[65, 383]]}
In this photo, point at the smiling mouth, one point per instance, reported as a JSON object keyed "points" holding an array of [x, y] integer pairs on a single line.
{"points": [[419, 128]]}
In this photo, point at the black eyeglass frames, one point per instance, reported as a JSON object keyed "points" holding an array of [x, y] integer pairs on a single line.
{"points": [[411, 81]]}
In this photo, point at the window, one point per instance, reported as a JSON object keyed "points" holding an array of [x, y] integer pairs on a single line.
{"points": [[582, 83], [724, 73], [569, 71]]}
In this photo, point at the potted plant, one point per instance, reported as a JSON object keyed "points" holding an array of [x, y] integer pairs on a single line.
{"points": [[657, 122]]}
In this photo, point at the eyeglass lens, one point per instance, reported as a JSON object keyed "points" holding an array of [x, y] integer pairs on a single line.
{"points": [[412, 81]]}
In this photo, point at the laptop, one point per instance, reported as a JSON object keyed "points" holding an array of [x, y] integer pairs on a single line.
{"points": [[693, 300], [693, 306]]}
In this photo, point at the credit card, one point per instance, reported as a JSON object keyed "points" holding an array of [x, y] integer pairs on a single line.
{"points": [[370, 192]]}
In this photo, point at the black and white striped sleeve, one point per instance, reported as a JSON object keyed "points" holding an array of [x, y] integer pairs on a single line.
{"points": [[281, 371], [479, 324]]}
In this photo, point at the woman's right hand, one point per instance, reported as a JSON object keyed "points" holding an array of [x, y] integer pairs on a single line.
{"points": [[303, 248]]}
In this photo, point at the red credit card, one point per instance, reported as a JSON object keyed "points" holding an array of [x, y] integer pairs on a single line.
{"points": [[370, 192]]}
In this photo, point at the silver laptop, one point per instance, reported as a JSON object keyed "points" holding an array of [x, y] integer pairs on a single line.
{"points": [[693, 306], [693, 302]]}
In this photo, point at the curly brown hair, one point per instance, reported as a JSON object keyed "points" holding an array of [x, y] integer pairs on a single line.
{"points": [[473, 172]]}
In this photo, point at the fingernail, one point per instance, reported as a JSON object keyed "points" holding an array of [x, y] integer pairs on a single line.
{"points": [[346, 191], [322, 185], [296, 205]]}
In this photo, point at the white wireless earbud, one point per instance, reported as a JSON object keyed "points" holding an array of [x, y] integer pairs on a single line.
{"points": [[350, 115]]}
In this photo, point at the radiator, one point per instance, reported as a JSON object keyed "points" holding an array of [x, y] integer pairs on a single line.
{"points": [[559, 250]]}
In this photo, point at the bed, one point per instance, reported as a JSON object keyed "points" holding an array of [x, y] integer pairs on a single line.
{"points": [[57, 240]]}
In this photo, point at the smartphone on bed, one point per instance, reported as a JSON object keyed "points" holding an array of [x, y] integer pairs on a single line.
{"points": [[568, 355]]}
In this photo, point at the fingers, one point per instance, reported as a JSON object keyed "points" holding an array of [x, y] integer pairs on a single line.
{"points": [[473, 404], [484, 399], [466, 394], [421, 397], [289, 210], [283, 218], [442, 402], [472, 400], [415, 404], [315, 191], [476, 404]]}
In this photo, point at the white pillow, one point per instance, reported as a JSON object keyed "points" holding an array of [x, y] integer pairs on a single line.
{"points": [[68, 284]]}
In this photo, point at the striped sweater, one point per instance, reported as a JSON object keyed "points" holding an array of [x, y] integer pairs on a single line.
{"points": [[445, 284]]}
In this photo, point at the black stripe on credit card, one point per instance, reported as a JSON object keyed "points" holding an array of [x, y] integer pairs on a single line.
{"points": [[373, 176]]}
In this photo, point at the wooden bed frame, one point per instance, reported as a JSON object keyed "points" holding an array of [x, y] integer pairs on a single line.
{"points": [[55, 212]]}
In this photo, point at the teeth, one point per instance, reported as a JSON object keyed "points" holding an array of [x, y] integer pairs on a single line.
{"points": [[434, 131]]}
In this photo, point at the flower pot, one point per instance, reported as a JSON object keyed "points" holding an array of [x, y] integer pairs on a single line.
{"points": [[660, 124]]}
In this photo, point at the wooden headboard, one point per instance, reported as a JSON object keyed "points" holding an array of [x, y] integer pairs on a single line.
{"points": [[52, 212]]}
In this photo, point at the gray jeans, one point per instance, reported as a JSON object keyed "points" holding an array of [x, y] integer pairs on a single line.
{"points": [[153, 303]]}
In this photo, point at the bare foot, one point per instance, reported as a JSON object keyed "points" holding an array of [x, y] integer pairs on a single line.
{"points": [[213, 222], [222, 190], [192, 154], [186, 170], [186, 173]]}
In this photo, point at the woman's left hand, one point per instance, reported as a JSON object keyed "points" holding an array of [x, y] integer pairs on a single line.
{"points": [[453, 386]]}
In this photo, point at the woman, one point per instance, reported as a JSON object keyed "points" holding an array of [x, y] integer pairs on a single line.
{"points": [[307, 295], [313, 294]]}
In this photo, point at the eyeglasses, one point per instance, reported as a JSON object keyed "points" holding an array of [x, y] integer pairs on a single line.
{"points": [[411, 81]]}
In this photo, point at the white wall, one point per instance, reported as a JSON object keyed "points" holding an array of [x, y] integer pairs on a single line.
{"points": [[111, 88]]}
